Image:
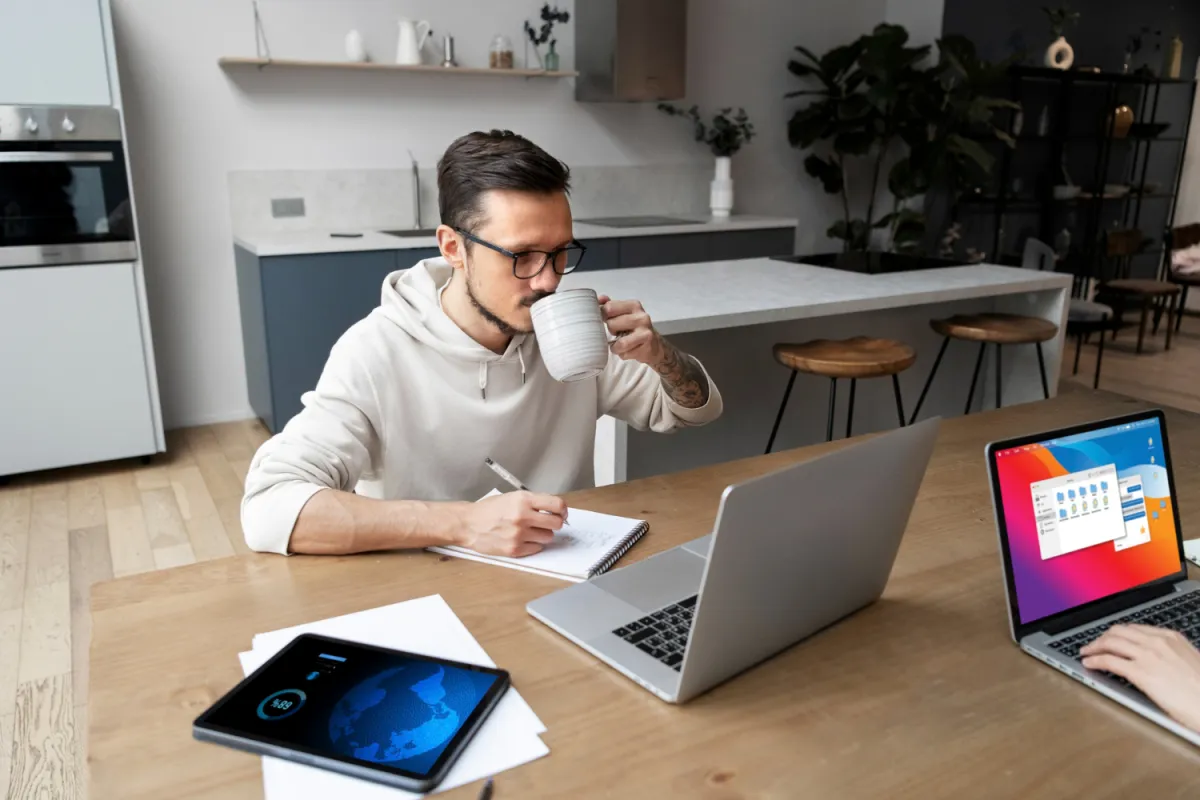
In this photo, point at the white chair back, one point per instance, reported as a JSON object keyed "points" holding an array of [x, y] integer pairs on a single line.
{"points": [[1038, 255]]}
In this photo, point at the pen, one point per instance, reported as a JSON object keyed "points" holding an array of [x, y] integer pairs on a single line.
{"points": [[486, 792], [508, 476]]}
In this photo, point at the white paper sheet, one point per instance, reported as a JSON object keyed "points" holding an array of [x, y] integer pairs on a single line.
{"points": [[427, 625], [1191, 550]]}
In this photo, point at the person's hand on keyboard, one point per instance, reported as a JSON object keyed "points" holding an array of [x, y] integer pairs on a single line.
{"points": [[1162, 663]]}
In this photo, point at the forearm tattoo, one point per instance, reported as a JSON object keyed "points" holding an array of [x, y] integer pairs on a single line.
{"points": [[682, 376]]}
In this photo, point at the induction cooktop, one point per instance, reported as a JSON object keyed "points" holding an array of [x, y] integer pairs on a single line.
{"points": [[639, 222]]}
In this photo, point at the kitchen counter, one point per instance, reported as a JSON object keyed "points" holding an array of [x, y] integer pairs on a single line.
{"points": [[289, 243], [680, 298], [729, 314]]}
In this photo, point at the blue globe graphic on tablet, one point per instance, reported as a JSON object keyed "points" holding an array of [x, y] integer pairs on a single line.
{"points": [[402, 713]]}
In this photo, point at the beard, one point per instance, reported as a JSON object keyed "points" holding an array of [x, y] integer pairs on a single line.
{"points": [[506, 328]]}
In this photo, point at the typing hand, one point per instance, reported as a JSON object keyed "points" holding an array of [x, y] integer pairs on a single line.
{"points": [[1162, 663], [515, 524]]}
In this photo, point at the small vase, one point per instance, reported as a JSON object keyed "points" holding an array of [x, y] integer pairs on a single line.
{"points": [[551, 61], [1173, 60], [720, 197], [1060, 54], [1120, 121]]}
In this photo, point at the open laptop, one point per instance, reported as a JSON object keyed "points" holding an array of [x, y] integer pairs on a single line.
{"points": [[791, 552], [1089, 537]]}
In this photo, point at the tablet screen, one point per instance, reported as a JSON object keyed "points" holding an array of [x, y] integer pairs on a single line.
{"points": [[370, 706]]}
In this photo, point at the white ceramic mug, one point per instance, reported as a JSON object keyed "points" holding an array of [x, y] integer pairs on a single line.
{"points": [[571, 334]]}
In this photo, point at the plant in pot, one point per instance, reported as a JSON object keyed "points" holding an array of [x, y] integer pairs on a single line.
{"points": [[724, 135], [539, 37], [1060, 54], [877, 104]]}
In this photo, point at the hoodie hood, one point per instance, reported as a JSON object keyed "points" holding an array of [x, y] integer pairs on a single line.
{"points": [[412, 300]]}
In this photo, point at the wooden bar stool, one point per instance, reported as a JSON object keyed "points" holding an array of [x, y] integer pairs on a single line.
{"points": [[996, 329], [859, 357]]}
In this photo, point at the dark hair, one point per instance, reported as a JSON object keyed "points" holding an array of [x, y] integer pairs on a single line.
{"points": [[479, 162]]}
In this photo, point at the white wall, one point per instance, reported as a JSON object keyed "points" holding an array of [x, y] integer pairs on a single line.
{"points": [[190, 124]]}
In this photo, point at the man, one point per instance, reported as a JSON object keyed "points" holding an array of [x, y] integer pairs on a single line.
{"points": [[389, 449]]}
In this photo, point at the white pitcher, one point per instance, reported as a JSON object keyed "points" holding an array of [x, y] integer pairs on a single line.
{"points": [[408, 49]]}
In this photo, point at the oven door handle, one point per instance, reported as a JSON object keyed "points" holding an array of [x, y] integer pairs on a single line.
{"points": [[43, 156]]}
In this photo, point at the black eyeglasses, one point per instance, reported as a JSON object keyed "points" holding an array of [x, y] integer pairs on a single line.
{"points": [[529, 263]]}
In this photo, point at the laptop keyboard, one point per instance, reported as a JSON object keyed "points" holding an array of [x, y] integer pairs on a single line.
{"points": [[662, 634], [1180, 613]]}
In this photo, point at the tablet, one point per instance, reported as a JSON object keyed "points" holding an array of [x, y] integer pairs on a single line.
{"points": [[396, 718]]}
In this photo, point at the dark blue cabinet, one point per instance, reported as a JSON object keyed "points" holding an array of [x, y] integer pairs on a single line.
{"points": [[294, 308]]}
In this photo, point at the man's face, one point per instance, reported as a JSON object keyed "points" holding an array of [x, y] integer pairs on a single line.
{"points": [[518, 222]]}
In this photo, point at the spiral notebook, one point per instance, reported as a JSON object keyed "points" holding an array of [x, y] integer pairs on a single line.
{"points": [[587, 546]]}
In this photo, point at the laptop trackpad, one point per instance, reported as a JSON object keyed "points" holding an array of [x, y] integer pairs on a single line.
{"points": [[658, 581]]}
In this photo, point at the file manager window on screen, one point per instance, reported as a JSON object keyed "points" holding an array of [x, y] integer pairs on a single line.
{"points": [[1089, 508]]}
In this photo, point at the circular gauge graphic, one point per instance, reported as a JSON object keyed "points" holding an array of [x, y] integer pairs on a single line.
{"points": [[281, 704]]}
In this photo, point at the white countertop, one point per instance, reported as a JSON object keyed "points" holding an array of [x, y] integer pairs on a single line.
{"points": [[306, 242], [722, 294]]}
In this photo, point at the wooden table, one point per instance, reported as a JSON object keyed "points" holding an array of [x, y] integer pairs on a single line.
{"points": [[922, 694]]}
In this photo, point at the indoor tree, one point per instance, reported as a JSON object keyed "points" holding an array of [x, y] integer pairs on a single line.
{"points": [[879, 99]]}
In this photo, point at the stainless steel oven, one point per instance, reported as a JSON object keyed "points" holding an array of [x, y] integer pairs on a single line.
{"points": [[64, 187]]}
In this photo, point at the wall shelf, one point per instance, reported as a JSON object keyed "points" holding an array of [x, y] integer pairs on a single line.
{"points": [[238, 62]]}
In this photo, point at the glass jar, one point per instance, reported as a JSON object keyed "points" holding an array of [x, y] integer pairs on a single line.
{"points": [[500, 55]]}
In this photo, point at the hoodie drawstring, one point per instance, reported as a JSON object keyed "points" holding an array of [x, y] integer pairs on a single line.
{"points": [[483, 374]]}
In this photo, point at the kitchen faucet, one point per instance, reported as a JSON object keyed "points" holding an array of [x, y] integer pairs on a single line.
{"points": [[416, 193]]}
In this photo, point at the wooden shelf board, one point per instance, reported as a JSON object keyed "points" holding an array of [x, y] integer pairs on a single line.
{"points": [[262, 63]]}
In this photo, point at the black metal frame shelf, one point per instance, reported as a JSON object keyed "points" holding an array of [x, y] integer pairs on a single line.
{"points": [[1094, 95]]}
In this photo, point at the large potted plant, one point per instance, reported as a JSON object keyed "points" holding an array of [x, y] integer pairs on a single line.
{"points": [[878, 103]]}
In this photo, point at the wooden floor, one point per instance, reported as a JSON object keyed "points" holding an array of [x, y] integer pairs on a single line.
{"points": [[62, 531]]}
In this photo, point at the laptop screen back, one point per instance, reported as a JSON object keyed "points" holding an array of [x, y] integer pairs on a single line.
{"points": [[1086, 516]]}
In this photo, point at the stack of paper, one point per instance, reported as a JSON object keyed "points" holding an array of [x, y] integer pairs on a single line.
{"points": [[508, 738]]}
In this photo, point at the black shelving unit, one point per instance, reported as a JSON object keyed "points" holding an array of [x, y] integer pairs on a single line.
{"points": [[1077, 138]]}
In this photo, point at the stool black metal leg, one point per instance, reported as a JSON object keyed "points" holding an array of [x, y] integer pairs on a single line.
{"points": [[1142, 327], [779, 417], [929, 380], [832, 402], [1078, 347], [1099, 359], [899, 401], [998, 392], [850, 409], [1042, 372], [975, 377]]}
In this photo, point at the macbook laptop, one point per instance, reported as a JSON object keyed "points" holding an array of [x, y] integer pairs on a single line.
{"points": [[1090, 537], [791, 552]]}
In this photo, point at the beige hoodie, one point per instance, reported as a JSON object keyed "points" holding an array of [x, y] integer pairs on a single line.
{"points": [[409, 406]]}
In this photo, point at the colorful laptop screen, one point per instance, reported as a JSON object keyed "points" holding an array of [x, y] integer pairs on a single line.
{"points": [[1087, 516]]}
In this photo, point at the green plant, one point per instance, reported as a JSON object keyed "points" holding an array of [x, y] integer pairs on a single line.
{"points": [[877, 100], [724, 136], [1059, 18], [549, 16]]}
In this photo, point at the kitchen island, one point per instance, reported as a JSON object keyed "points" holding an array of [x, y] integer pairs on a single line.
{"points": [[730, 313]]}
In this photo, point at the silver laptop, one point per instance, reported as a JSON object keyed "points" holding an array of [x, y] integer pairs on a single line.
{"points": [[1090, 536], [791, 552]]}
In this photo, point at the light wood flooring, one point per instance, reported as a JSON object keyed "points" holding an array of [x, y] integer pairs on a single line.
{"points": [[62, 531]]}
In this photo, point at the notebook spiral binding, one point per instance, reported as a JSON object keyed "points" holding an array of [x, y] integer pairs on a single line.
{"points": [[621, 549]]}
